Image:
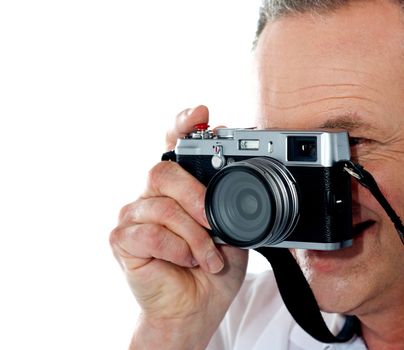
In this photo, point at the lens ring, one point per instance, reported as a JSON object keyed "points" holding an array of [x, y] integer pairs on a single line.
{"points": [[269, 192], [286, 196]]}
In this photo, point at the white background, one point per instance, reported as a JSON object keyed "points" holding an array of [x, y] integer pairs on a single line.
{"points": [[87, 90]]}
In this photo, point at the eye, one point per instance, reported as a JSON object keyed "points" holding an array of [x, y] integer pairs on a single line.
{"points": [[361, 147], [359, 141], [353, 141]]}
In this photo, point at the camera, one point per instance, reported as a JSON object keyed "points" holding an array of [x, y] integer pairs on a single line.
{"points": [[281, 188]]}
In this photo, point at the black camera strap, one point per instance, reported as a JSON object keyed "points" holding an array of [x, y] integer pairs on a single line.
{"points": [[299, 298], [293, 286], [367, 180]]}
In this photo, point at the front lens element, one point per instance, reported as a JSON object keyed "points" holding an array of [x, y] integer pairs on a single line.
{"points": [[241, 205], [252, 203], [248, 204]]}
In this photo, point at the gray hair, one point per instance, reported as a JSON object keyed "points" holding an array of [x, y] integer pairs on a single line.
{"points": [[271, 10]]}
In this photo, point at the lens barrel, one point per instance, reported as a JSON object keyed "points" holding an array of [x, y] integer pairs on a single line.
{"points": [[252, 203]]}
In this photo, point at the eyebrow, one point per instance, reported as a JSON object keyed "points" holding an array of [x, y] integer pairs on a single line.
{"points": [[345, 122]]}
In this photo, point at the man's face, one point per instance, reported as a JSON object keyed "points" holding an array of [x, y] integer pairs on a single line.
{"points": [[346, 70]]}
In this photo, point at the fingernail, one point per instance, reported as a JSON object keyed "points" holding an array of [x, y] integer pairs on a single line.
{"points": [[189, 111], [215, 261]]}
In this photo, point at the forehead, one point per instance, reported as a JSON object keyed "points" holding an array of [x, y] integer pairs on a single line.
{"points": [[350, 63]]}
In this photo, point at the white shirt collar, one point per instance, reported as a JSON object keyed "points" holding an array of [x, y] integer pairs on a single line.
{"points": [[299, 339]]}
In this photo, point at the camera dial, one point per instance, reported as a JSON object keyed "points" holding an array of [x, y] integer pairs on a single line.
{"points": [[218, 160]]}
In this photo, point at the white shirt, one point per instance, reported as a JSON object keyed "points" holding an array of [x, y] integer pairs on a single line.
{"points": [[258, 320]]}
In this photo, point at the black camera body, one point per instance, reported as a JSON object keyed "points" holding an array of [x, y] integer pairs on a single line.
{"points": [[283, 188]]}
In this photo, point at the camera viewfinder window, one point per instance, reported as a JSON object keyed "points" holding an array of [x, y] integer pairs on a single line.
{"points": [[302, 149]]}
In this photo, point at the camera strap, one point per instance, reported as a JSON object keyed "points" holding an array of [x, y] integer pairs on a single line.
{"points": [[293, 286], [299, 298], [367, 180]]}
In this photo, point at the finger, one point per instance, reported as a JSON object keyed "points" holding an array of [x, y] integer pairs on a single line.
{"points": [[218, 127], [169, 179], [135, 246], [184, 124], [167, 212]]}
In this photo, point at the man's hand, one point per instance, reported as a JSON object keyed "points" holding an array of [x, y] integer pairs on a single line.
{"points": [[183, 283]]}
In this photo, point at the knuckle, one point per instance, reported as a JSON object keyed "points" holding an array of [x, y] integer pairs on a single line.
{"points": [[158, 173], [170, 210], [116, 240], [161, 242], [154, 237], [115, 236], [134, 212], [126, 211]]}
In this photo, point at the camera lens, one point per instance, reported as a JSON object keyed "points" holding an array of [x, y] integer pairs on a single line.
{"points": [[240, 207], [252, 203], [248, 202]]}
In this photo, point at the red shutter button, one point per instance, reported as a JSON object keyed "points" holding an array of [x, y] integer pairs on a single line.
{"points": [[201, 127]]}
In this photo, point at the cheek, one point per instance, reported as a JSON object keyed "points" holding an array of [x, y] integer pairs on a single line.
{"points": [[393, 187], [304, 262], [389, 179]]}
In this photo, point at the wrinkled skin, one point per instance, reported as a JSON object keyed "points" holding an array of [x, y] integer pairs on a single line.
{"points": [[339, 70], [178, 276], [346, 70]]}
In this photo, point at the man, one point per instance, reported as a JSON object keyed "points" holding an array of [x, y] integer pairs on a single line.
{"points": [[321, 64]]}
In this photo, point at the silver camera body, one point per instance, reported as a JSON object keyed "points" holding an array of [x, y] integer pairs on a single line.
{"points": [[284, 188]]}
